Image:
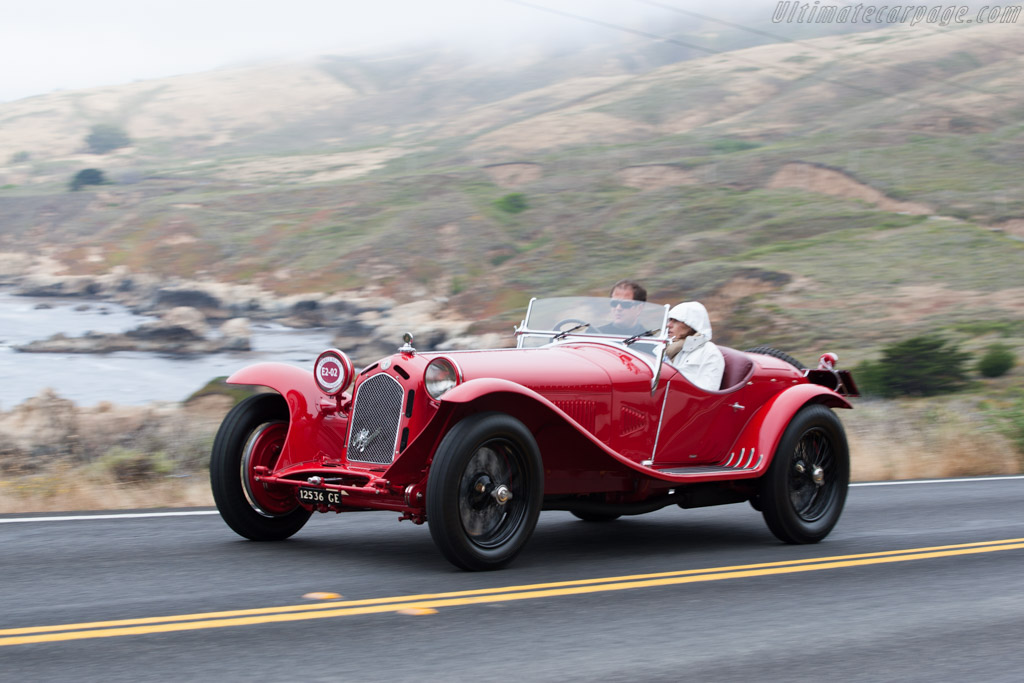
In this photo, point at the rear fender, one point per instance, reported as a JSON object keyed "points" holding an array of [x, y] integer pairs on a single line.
{"points": [[764, 431], [314, 434]]}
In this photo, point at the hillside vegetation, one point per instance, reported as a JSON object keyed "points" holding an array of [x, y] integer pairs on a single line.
{"points": [[831, 194]]}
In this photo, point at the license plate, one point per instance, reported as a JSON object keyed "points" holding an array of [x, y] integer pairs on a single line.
{"points": [[319, 496]]}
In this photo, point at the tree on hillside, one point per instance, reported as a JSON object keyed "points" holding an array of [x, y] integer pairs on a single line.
{"points": [[88, 176], [106, 137], [512, 203], [997, 361], [920, 366]]}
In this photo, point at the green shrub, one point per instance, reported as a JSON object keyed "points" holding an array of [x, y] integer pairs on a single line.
{"points": [[920, 366], [129, 466], [1008, 416], [87, 176], [729, 145], [1014, 427], [512, 203], [105, 138], [218, 386], [997, 361]]}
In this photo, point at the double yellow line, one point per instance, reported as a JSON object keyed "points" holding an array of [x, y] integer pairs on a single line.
{"points": [[431, 601]]}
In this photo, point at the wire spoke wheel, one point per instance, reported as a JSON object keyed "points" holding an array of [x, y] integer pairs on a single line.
{"points": [[252, 435], [486, 521], [263, 449], [813, 481], [484, 491], [803, 493]]}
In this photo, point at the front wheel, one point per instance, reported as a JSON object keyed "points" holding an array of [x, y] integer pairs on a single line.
{"points": [[252, 435], [803, 493], [484, 491]]}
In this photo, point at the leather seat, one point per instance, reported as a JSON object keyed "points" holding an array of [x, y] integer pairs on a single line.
{"points": [[738, 368]]}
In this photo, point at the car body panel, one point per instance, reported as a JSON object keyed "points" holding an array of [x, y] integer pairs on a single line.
{"points": [[611, 420], [317, 429], [582, 415]]}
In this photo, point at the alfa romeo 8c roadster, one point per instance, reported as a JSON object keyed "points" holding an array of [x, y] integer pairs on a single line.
{"points": [[575, 417]]}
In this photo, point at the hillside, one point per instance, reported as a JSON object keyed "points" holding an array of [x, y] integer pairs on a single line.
{"points": [[841, 192], [834, 194]]}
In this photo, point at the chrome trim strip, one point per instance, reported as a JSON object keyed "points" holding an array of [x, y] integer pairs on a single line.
{"points": [[661, 418], [750, 458]]}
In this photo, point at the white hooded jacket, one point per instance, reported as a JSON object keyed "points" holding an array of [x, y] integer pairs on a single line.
{"points": [[699, 360]]}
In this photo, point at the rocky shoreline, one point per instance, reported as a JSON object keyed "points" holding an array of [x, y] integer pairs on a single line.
{"points": [[181, 331], [202, 316]]}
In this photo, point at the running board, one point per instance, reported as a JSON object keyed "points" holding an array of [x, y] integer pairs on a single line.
{"points": [[741, 462]]}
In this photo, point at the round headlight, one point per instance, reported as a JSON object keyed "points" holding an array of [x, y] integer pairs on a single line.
{"points": [[333, 371], [440, 377]]}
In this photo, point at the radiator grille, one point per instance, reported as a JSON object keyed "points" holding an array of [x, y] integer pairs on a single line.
{"points": [[375, 416]]}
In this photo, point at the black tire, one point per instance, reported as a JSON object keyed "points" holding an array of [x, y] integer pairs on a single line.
{"points": [[469, 525], [795, 507], [252, 434], [597, 517], [775, 353]]}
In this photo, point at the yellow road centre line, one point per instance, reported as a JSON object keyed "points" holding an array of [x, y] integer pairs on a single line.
{"points": [[191, 622]]}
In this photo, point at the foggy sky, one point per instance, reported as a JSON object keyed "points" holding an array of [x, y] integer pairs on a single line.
{"points": [[48, 45]]}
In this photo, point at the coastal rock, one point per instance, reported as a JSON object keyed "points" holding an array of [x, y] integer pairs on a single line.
{"points": [[423, 319], [60, 286], [351, 334], [188, 298], [182, 330], [305, 313], [184, 317], [236, 335], [490, 340]]}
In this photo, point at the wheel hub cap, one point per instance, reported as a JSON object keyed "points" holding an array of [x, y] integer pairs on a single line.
{"points": [[502, 494]]}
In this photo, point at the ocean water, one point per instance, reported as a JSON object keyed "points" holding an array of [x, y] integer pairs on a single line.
{"points": [[127, 378]]}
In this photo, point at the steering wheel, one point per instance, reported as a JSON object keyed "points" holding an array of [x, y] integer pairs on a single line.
{"points": [[565, 321]]}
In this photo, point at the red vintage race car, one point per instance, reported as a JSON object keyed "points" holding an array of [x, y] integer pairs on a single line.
{"points": [[576, 417]]}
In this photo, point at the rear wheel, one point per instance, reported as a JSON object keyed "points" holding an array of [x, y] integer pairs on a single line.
{"points": [[484, 491], [595, 516], [803, 493], [252, 435]]}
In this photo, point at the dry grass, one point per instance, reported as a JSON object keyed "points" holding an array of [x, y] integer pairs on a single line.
{"points": [[889, 440], [106, 457], [915, 440], [74, 489]]}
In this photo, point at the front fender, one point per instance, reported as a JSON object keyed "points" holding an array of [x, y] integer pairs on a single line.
{"points": [[280, 377], [314, 435], [764, 431]]}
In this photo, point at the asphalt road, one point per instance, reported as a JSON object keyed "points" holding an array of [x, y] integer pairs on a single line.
{"points": [[918, 582]]}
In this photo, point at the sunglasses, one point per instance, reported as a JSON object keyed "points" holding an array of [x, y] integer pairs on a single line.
{"points": [[624, 303]]}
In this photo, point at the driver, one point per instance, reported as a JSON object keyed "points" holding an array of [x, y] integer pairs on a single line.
{"points": [[691, 350], [627, 303]]}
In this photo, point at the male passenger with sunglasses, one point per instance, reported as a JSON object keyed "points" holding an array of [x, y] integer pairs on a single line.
{"points": [[626, 303]]}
